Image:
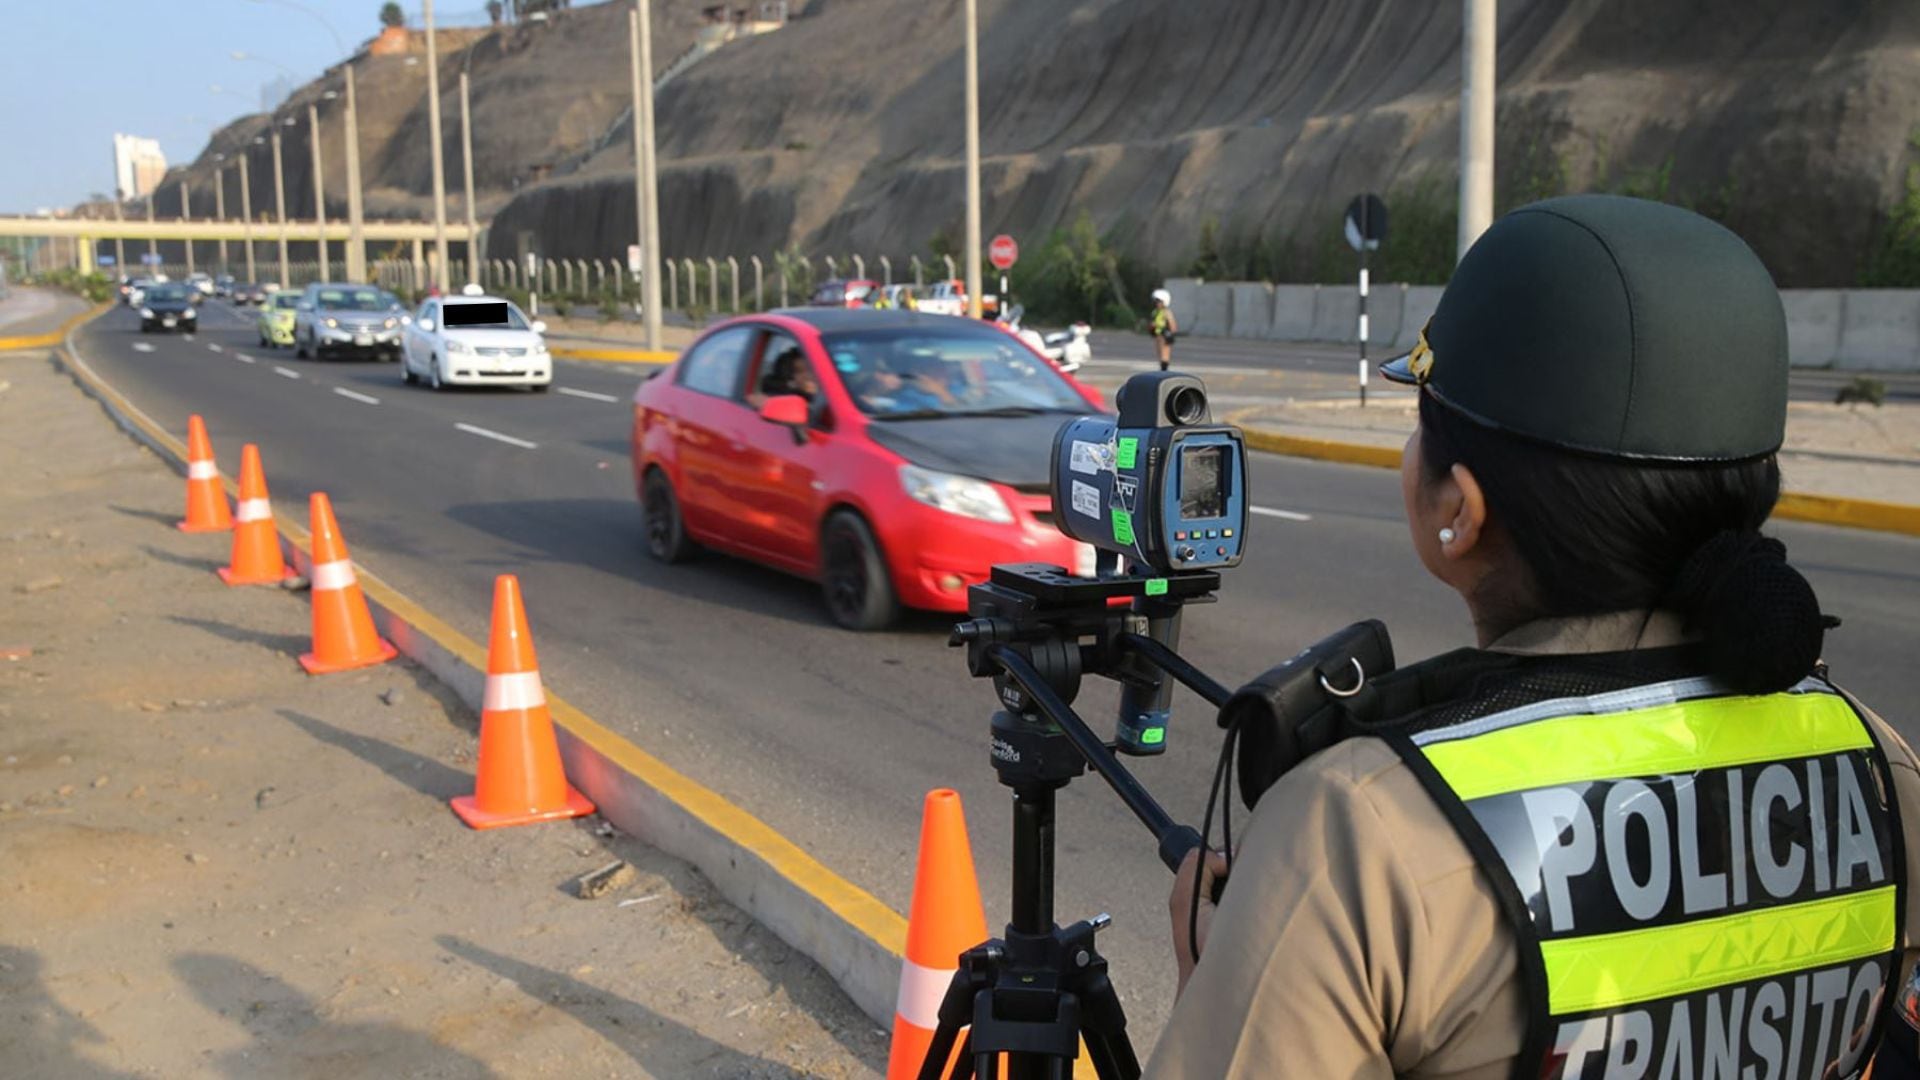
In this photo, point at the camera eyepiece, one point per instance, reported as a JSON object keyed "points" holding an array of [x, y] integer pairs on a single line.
{"points": [[1187, 405]]}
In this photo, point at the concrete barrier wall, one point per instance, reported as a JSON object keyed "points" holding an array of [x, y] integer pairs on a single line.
{"points": [[1293, 312], [1212, 311], [1252, 311], [1850, 329], [1879, 330]]}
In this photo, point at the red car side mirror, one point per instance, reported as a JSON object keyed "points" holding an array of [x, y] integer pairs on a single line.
{"points": [[787, 409]]}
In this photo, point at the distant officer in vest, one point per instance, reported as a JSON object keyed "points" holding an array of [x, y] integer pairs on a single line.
{"points": [[1637, 832], [1163, 326]]}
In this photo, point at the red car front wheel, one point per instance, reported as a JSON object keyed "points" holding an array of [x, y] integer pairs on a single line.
{"points": [[854, 579]]}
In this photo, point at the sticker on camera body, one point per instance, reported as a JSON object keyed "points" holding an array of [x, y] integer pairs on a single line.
{"points": [[1088, 458], [1129, 449], [1086, 500], [1126, 494], [1122, 527]]}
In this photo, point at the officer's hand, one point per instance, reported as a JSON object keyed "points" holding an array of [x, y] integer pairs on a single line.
{"points": [[1180, 906]]}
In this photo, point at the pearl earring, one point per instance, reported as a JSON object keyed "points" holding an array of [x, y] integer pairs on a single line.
{"points": [[1447, 536]]}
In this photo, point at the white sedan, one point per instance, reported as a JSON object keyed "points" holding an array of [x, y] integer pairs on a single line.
{"points": [[474, 340]]}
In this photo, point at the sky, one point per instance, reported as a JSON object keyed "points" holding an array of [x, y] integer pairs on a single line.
{"points": [[73, 72]]}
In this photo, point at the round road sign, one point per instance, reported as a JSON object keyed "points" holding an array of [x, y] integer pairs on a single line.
{"points": [[1003, 252]]}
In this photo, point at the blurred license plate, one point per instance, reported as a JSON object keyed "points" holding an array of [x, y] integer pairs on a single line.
{"points": [[363, 340]]}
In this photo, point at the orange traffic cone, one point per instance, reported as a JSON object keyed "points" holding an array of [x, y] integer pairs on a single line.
{"points": [[206, 501], [946, 920], [343, 633], [520, 776], [256, 556]]}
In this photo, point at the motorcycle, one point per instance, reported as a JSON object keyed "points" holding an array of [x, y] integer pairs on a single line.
{"points": [[1069, 349]]}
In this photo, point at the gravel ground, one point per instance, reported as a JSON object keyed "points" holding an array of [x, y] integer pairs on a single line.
{"points": [[218, 866]]}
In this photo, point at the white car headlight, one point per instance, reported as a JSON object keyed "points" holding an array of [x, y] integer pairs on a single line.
{"points": [[962, 495], [455, 345], [146, 313], [332, 323], [539, 348], [390, 323], [189, 314]]}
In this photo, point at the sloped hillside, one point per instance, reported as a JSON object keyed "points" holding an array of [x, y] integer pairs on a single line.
{"points": [[1787, 118]]}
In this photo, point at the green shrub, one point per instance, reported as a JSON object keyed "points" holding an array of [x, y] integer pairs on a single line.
{"points": [[1893, 262]]}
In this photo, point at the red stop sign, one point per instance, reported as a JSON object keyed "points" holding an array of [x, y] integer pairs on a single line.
{"points": [[1003, 252]]}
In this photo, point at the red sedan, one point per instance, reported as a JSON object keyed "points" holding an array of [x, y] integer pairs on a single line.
{"points": [[891, 456]]}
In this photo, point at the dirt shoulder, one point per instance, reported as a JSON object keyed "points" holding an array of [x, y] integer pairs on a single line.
{"points": [[218, 866]]}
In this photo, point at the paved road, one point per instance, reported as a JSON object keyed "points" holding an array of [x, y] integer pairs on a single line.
{"points": [[733, 674], [1245, 362]]}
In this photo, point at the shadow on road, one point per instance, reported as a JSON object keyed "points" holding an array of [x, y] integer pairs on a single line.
{"points": [[161, 516], [40, 1036], [606, 535], [290, 1038], [417, 771], [659, 1045]]}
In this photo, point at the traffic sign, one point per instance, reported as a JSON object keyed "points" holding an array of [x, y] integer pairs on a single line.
{"points": [[106, 260], [150, 259], [633, 259], [1366, 222], [1003, 252]]}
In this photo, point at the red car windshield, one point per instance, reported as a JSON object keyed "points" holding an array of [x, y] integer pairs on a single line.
{"points": [[965, 369]]}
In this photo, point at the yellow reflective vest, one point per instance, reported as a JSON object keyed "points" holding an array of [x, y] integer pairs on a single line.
{"points": [[1704, 884]]}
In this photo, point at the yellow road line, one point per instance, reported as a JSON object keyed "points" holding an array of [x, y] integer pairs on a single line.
{"points": [[854, 905], [615, 356], [53, 337]]}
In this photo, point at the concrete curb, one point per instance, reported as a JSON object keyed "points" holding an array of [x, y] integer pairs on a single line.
{"points": [[52, 337], [850, 933], [615, 356], [1793, 505]]}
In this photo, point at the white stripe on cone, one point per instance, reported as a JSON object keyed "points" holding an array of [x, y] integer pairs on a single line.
{"points": [[202, 470], [517, 691], [922, 989], [253, 510], [332, 575]]}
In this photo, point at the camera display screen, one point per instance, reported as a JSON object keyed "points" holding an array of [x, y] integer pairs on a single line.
{"points": [[1202, 493]]}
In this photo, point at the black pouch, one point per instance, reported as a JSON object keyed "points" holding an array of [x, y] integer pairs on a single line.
{"points": [[1306, 704]]}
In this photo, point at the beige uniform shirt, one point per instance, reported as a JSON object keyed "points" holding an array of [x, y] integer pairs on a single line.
{"points": [[1358, 937]]}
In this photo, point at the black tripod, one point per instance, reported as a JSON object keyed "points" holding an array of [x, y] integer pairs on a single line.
{"points": [[1040, 991]]}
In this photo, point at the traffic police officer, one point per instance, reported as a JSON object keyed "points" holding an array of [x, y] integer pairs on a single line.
{"points": [[1637, 832]]}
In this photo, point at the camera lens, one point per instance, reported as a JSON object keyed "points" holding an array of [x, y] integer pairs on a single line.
{"points": [[1187, 405]]}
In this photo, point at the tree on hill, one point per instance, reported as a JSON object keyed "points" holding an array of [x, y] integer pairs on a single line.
{"points": [[391, 15]]}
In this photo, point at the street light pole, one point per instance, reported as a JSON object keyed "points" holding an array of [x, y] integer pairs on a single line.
{"points": [[246, 218], [649, 180], [356, 230], [1478, 38], [152, 247], [466, 162], [435, 146], [973, 158], [220, 209], [186, 214], [319, 189], [280, 205]]}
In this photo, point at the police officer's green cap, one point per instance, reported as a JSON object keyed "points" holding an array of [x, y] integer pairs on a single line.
{"points": [[1611, 326]]}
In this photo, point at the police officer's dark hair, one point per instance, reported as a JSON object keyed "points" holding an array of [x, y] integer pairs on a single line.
{"points": [[1601, 535]]}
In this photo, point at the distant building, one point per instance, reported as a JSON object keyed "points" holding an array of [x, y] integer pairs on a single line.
{"points": [[138, 166]]}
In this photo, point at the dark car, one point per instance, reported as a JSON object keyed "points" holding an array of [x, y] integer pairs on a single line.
{"points": [[254, 292], [223, 285], [168, 306], [891, 456]]}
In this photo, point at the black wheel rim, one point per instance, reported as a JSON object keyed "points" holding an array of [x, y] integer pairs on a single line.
{"points": [[659, 527], [846, 574]]}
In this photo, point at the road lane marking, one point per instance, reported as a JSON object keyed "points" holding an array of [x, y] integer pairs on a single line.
{"points": [[508, 439], [287, 372], [356, 395], [1285, 515], [215, 346], [142, 346], [588, 394], [243, 358]]}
